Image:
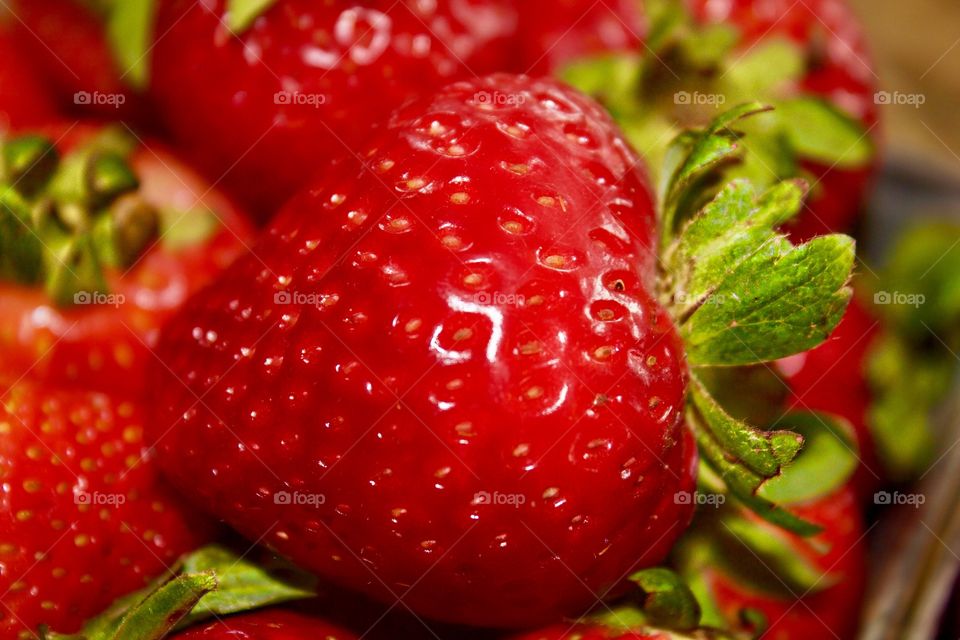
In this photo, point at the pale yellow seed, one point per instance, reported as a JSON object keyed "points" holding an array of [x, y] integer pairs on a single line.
{"points": [[460, 197], [534, 392]]}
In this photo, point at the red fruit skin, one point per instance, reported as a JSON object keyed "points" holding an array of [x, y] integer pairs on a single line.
{"points": [[104, 346], [84, 517], [832, 379], [559, 32], [267, 624], [405, 376], [217, 92], [67, 47], [833, 612], [24, 100], [841, 71]]}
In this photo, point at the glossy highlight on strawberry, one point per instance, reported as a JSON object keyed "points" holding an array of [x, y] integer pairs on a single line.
{"points": [[441, 374]]}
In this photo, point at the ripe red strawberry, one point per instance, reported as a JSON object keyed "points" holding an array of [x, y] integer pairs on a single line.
{"points": [[442, 375], [832, 378], [831, 610], [61, 321], [267, 624], [556, 33], [838, 69], [84, 518], [304, 83], [66, 42], [24, 100]]}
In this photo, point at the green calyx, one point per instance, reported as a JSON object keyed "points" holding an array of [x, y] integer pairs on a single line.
{"points": [[210, 582], [742, 294], [63, 220], [662, 604], [690, 72]]}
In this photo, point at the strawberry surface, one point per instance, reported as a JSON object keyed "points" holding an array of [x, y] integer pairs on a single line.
{"points": [[68, 48], [265, 109], [441, 375], [555, 33], [24, 100], [101, 339], [268, 624], [84, 517]]}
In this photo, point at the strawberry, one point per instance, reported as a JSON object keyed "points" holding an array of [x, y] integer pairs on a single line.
{"points": [[557, 33], [67, 42], [267, 624], [84, 517], [832, 378], [93, 272], [827, 608], [442, 374], [275, 99], [24, 100], [838, 68]]}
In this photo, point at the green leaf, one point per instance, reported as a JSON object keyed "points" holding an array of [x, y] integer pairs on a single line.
{"points": [[763, 452], [920, 287], [241, 14], [150, 614], [669, 601], [694, 154], [779, 301], [244, 585], [778, 552], [820, 131], [907, 383], [156, 616], [730, 231], [742, 481], [827, 462], [130, 25], [209, 582]]}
